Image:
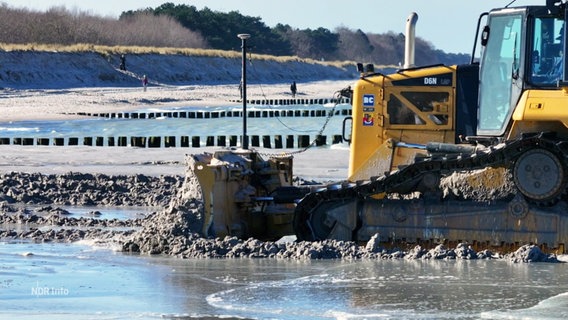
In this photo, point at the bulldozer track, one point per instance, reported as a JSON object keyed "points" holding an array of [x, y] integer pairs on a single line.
{"points": [[501, 155]]}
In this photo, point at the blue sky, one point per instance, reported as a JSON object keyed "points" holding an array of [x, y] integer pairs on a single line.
{"points": [[448, 24]]}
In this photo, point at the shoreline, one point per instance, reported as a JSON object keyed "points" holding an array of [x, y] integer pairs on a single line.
{"points": [[60, 104]]}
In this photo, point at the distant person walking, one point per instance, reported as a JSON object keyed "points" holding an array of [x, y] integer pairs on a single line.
{"points": [[122, 63], [145, 82], [293, 89]]}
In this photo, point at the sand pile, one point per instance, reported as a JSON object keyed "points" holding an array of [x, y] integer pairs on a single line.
{"points": [[85, 189]]}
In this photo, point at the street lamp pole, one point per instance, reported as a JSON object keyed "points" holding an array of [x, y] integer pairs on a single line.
{"points": [[244, 37]]}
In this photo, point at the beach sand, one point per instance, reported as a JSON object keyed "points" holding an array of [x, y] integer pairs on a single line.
{"points": [[51, 104]]}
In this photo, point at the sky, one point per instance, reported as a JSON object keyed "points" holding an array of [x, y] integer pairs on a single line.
{"points": [[449, 25]]}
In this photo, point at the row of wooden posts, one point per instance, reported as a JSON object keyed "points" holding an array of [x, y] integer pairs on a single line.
{"points": [[265, 141], [295, 101], [217, 114]]}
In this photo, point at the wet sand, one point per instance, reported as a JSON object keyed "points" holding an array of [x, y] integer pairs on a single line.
{"points": [[321, 164]]}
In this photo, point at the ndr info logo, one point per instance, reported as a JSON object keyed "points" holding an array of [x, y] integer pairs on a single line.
{"points": [[49, 291]]}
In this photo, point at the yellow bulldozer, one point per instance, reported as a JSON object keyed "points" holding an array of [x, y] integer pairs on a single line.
{"points": [[500, 121]]}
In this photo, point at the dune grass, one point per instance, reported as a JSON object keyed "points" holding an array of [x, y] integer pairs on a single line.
{"points": [[110, 50]]}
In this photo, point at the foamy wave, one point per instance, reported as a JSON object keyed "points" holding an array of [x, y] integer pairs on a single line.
{"points": [[555, 307], [20, 129], [97, 244]]}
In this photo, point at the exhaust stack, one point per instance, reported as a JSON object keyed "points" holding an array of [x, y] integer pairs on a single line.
{"points": [[410, 40]]}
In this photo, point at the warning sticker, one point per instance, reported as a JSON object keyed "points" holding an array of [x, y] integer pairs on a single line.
{"points": [[368, 120]]}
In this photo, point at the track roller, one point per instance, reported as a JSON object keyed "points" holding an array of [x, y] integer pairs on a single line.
{"points": [[540, 176]]}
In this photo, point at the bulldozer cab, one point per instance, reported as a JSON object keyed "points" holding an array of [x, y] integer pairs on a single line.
{"points": [[522, 49]]}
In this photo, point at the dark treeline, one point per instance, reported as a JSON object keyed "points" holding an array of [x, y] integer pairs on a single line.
{"points": [[219, 29], [184, 26]]}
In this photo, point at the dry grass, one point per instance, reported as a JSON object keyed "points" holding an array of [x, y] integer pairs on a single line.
{"points": [[107, 50]]}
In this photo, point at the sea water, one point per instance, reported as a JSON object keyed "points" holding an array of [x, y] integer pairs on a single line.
{"points": [[95, 212], [81, 281], [106, 127]]}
